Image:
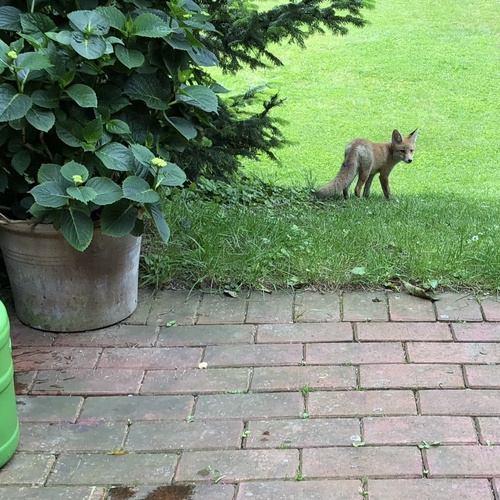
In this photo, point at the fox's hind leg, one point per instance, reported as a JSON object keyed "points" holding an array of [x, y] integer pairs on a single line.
{"points": [[362, 178], [368, 185]]}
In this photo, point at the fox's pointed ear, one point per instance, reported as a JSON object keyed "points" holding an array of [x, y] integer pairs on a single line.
{"points": [[413, 135], [396, 137]]}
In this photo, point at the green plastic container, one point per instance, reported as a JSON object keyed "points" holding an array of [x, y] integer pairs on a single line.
{"points": [[9, 423]]}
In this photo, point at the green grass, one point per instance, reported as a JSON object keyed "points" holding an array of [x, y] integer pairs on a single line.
{"points": [[426, 64]]}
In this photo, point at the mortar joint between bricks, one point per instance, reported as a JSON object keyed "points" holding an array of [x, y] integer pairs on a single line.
{"points": [[416, 396], [52, 468], [425, 462], [477, 428], [341, 306], [406, 352], [196, 315], [464, 376], [355, 333]]}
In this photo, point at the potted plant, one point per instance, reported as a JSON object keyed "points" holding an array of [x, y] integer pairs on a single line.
{"points": [[93, 102]]}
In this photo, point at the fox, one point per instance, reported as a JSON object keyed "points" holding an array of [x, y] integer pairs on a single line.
{"points": [[366, 159]]}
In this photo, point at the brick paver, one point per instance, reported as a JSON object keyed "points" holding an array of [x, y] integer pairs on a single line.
{"points": [[135, 468], [241, 465], [403, 331], [403, 307], [361, 403], [196, 435], [415, 430], [302, 433], [136, 408], [476, 332], [196, 381], [361, 462], [301, 490], [444, 352], [362, 394], [465, 461], [290, 378], [460, 402], [364, 306], [64, 437], [404, 376], [317, 307], [458, 307], [430, 489], [354, 354], [483, 376], [305, 332], [489, 430]]}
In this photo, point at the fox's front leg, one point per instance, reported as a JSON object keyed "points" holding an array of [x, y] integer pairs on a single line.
{"points": [[384, 182]]}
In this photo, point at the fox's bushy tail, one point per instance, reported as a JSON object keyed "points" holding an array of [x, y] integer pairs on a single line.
{"points": [[343, 180]]}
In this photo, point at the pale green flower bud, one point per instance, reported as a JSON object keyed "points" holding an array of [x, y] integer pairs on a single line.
{"points": [[159, 162]]}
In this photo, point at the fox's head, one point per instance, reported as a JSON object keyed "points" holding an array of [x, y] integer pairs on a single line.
{"points": [[403, 147]]}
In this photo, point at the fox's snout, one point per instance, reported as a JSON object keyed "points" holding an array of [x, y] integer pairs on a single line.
{"points": [[408, 160]]}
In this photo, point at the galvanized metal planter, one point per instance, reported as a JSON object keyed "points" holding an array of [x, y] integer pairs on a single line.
{"points": [[60, 289]]}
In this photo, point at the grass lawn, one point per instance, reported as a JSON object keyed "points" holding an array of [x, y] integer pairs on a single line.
{"points": [[426, 64]]}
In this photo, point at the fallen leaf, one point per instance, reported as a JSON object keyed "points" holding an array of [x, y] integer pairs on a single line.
{"points": [[416, 291], [358, 271]]}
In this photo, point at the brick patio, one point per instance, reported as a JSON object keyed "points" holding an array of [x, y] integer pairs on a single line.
{"points": [[281, 396]]}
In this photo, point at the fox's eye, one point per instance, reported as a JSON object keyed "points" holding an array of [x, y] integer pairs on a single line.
{"points": [[411, 150]]}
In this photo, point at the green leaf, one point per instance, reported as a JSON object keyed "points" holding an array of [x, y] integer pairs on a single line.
{"points": [[183, 126], [358, 271], [159, 220], [72, 169], [50, 194], [42, 214], [33, 61], [82, 193], [119, 218], [45, 99], [93, 131], [10, 18], [130, 58], [66, 133], [91, 47], [116, 156], [202, 56], [107, 191], [171, 175], [142, 154], [37, 23], [13, 105], [21, 161], [151, 26], [78, 228], [147, 89], [50, 172], [90, 22], [114, 16], [117, 127], [83, 95], [41, 119], [200, 97], [137, 189]]}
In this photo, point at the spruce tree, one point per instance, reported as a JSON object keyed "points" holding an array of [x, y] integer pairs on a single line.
{"points": [[242, 38]]}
